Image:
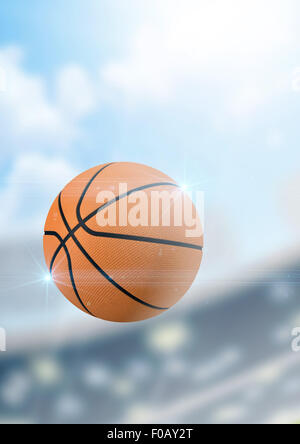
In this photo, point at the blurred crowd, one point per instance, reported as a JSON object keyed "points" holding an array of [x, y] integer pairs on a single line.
{"points": [[230, 361]]}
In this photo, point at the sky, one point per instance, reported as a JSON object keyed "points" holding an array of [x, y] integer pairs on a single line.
{"points": [[205, 91]]}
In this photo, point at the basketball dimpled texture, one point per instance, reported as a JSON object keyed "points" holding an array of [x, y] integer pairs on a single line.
{"points": [[118, 273]]}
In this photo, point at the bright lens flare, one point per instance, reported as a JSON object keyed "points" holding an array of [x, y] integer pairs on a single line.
{"points": [[47, 277]]}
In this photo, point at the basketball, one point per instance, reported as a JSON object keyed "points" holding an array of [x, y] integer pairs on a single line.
{"points": [[118, 244]]}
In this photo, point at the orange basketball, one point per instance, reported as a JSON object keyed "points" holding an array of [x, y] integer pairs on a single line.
{"points": [[111, 248]]}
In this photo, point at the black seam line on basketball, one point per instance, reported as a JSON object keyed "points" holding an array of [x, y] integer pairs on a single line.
{"points": [[64, 241], [53, 233], [98, 268], [121, 236], [145, 239], [78, 208], [75, 229], [116, 199], [82, 222]]}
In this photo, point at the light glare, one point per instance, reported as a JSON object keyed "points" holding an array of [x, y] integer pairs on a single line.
{"points": [[47, 277]]}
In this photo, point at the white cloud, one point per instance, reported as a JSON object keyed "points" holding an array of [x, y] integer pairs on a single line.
{"points": [[35, 129], [145, 73], [246, 100], [199, 44], [75, 93], [29, 189], [30, 119]]}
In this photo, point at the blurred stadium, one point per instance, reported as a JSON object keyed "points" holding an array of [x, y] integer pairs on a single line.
{"points": [[226, 359]]}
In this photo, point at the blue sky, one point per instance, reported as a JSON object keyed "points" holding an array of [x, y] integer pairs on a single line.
{"points": [[200, 90]]}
